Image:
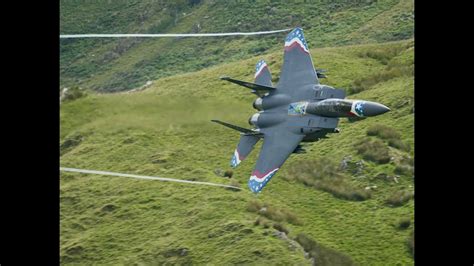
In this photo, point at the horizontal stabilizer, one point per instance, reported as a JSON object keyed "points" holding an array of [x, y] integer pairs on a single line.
{"points": [[246, 131], [253, 86], [262, 74], [245, 146]]}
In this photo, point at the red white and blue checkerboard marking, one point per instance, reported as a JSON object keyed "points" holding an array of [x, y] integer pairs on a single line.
{"points": [[296, 39], [259, 67], [236, 159], [258, 180]]}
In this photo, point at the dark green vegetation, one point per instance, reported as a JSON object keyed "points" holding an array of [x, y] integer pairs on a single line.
{"points": [[69, 94], [110, 65], [382, 131], [321, 254], [411, 243], [389, 134], [323, 174], [393, 68], [399, 198], [373, 150], [404, 224], [114, 220], [273, 213]]}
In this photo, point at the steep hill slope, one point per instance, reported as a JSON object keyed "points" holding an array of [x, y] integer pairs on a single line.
{"points": [[121, 64], [362, 212]]}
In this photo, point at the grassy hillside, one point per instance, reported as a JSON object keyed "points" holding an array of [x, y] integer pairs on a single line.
{"points": [[165, 131], [122, 64]]}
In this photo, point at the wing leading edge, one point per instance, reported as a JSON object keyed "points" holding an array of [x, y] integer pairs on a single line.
{"points": [[253, 86], [276, 148]]}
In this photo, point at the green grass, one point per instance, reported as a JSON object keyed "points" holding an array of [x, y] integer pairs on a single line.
{"points": [[323, 174], [110, 65], [165, 130], [384, 132], [411, 243], [390, 135], [373, 150], [272, 213], [403, 224], [321, 254], [399, 198]]}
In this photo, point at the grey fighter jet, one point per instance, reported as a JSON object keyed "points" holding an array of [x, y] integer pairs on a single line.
{"points": [[298, 109]]}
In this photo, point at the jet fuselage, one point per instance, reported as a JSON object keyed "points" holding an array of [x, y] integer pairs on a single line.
{"points": [[314, 117]]}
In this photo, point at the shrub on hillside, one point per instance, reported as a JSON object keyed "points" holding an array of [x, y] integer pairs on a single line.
{"points": [[399, 198], [383, 54], [373, 150], [389, 134], [257, 49], [404, 170], [366, 83], [70, 142], [356, 88], [399, 144], [262, 221], [341, 189], [310, 171], [408, 160], [273, 213], [71, 94], [383, 132], [403, 224], [324, 174], [292, 218], [411, 244], [254, 206], [228, 173], [280, 214], [322, 255], [280, 228]]}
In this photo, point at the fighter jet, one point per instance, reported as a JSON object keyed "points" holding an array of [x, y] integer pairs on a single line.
{"points": [[298, 109]]}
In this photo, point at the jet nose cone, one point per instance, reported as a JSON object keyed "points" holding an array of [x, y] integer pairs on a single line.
{"points": [[373, 109]]}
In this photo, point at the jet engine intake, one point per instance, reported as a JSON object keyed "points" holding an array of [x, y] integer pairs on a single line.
{"points": [[253, 120], [265, 103], [257, 104], [264, 119]]}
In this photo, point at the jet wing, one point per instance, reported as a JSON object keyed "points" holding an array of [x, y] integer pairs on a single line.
{"points": [[297, 69], [277, 147], [249, 85], [241, 129]]}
